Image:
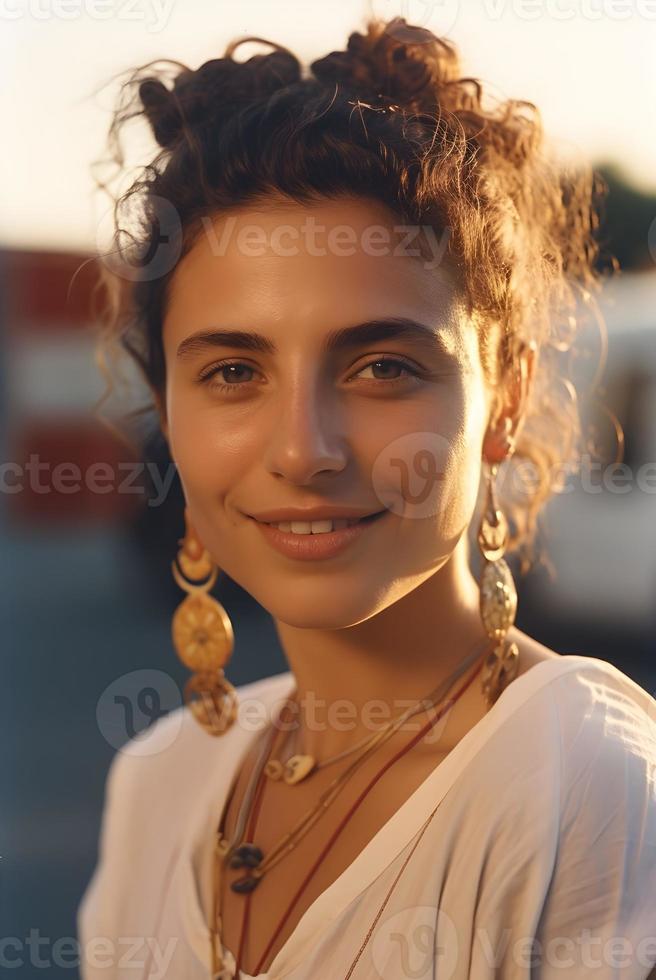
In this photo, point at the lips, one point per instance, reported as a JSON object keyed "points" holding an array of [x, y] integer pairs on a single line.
{"points": [[317, 544]]}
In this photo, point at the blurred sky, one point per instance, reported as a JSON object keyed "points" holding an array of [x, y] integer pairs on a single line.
{"points": [[588, 65]]}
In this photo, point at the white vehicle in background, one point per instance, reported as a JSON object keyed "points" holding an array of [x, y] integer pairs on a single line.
{"points": [[602, 542]]}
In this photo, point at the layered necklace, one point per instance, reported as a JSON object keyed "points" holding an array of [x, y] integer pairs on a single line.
{"points": [[240, 850]]}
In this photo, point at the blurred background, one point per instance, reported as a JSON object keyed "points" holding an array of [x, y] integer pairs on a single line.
{"points": [[87, 594]]}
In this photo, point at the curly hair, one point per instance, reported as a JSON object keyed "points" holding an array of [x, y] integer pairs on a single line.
{"points": [[391, 119]]}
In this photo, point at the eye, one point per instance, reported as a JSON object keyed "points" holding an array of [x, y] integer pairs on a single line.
{"points": [[401, 370], [227, 376]]}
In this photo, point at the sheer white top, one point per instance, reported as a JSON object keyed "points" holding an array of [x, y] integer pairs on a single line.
{"points": [[529, 851]]}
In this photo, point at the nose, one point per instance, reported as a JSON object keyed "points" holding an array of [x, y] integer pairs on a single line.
{"points": [[306, 436]]}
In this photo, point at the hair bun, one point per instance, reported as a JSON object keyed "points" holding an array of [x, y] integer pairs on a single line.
{"points": [[214, 89], [395, 62], [160, 110]]}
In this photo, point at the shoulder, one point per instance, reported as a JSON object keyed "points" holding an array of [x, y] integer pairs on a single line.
{"points": [[592, 695], [599, 704], [152, 777], [603, 881], [607, 726], [602, 713], [152, 782], [578, 751], [595, 724]]}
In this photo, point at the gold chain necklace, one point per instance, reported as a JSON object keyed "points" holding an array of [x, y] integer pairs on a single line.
{"points": [[247, 854], [299, 766]]}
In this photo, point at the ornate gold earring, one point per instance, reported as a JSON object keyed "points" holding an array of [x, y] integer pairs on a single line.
{"points": [[498, 596], [203, 637]]}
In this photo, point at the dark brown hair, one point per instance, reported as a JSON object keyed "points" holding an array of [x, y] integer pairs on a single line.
{"points": [[391, 119]]}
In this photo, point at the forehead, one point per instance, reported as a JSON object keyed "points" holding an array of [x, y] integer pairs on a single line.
{"points": [[313, 266]]}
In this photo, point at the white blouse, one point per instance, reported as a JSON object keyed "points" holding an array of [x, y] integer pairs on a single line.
{"points": [[528, 852]]}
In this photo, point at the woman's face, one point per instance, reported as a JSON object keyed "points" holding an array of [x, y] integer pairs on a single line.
{"points": [[294, 404]]}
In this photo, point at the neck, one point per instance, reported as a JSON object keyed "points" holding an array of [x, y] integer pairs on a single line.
{"points": [[351, 681]]}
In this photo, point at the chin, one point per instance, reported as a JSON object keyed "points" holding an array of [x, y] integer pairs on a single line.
{"points": [[322, 618], [324, 612], [327, 610]]}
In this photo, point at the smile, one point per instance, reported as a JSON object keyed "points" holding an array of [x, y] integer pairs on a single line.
{"points": [[316, 527], [313, 540]]}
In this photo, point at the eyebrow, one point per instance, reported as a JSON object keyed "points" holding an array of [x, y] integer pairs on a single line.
{"points": [[387, 328]]}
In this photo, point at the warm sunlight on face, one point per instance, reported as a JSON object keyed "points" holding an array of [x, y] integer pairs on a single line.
{"points": [[350, 382]]}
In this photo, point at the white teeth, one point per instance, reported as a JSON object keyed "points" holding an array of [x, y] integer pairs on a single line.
{"points": [[314, 527], [301, 527], [321, 527]]}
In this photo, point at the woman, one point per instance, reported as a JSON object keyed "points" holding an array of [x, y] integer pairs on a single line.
{"points": [[349, 294]]}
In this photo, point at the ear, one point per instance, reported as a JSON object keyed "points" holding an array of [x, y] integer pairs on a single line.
{"points": [[502, 433]]}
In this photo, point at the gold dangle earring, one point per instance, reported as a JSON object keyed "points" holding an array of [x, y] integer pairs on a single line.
{"points": [[203, 637], [498, 596]]}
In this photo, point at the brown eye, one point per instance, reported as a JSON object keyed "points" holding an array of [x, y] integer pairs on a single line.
{"points": [[388, 369], [383, 367], [228, 374], [234, 373]]}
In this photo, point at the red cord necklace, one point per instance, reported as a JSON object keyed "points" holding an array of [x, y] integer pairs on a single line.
{"points": [[257, 802]]}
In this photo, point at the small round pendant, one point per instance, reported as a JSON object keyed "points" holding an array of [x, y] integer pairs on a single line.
{"points": [[298, 767], [273, 769]]}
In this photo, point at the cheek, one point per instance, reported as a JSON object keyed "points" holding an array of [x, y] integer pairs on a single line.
{"points": [[211, 449], [463, 458], [427, 466]]}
